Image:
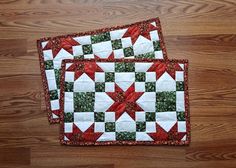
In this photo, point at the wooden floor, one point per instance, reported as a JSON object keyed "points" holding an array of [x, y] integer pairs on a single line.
{"points": [[202, 31]]}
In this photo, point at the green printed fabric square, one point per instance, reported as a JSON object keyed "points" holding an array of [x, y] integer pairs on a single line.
{"points": [[100, 37], [48, 64], [84, 101], [87, 49], [140, 76], [116, 44], [166, 101], [128, 52]]}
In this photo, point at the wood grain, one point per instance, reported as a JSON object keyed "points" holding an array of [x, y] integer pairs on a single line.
{"points": [[202, 31]]}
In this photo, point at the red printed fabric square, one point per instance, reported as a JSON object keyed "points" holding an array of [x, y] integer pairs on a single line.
{"points": [[139, 40], [125, 102]]}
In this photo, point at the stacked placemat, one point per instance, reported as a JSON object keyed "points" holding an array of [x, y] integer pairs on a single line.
{"points": [[115, 86]]}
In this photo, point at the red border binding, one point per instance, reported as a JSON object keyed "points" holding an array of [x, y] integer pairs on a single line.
{"points": [[187, 114], [40, 52]]}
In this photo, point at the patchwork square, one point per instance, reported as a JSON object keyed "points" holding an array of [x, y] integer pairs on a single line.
{"points": [[126, 108], [87, 49], [84, 101], [138, 40], [116, 44], [99, 116], [128, 52], [99, 86]]}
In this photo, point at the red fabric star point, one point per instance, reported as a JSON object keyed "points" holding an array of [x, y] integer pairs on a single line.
{"points": [[57, 44], [161, 67], [162, 135], [135, 31], [88, 136], [85, 67]]}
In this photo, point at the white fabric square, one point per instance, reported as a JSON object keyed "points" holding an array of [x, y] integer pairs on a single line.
{"points": [[83, 116], [119, 53], [68, 106], [117, 34], [109, 87], [158, 54], [180, 105], [140, 116], [126, 42], [165, 83], [69, 102], [55, 105], [68, 127], [150, 76], [88, 56], [86, 86], [143, 47], [52, 85], [129, 126], [99, 77], [50, 74], [107, 66], [99, 127], [83, 40], [69, 96], [47, 55], [142, 67], [139, 86], [110, 117], [166, 116], [150, 127], [179, 76], [181, 126], [124, 76], [154, 35], [69, 76], [77, 50], [102, 46]]}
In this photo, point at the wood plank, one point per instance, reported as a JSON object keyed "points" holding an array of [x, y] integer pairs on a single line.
{"points": [[15, 156]]}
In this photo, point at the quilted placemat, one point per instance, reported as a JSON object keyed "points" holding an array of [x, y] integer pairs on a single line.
{"points": [[140, 40], [129, 101]]}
